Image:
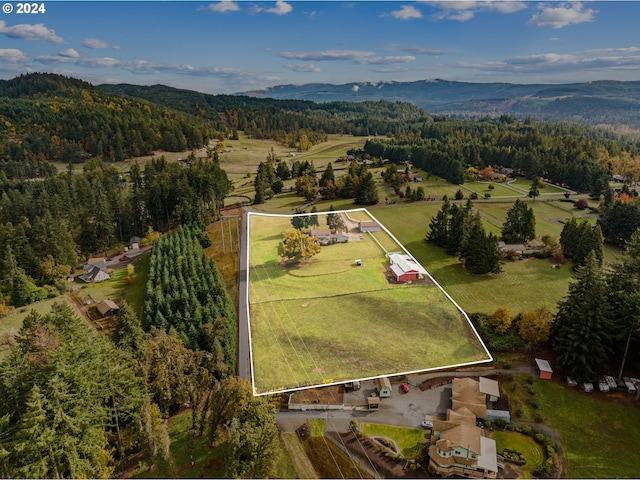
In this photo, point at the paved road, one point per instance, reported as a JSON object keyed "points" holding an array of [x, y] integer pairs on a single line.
{"points": [[244, 364]]}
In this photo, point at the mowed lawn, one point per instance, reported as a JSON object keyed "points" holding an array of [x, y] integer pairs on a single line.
{"points": [[523, 285], [327, 320]]}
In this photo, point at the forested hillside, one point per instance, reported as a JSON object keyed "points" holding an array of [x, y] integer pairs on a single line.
{"points": [[284, 120], [581, 157], [50, 118]]}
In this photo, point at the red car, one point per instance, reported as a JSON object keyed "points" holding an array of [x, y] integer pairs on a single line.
{"points": [[404, 387]]}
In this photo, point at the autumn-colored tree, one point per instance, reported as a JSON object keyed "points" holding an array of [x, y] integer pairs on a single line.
{"points": [[297, 246], [534, 326], [501, 320]]}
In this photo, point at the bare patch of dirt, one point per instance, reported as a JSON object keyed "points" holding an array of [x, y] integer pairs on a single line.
{"points": [[435, 382], [332, 395]]}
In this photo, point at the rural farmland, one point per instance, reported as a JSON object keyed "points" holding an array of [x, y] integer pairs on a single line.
{"points": [[328, 320]]}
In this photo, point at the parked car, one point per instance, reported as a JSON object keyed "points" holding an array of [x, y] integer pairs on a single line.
{"points": [[611, 382], [426, 424], [603, 386], [587, 387], [404, 387]]}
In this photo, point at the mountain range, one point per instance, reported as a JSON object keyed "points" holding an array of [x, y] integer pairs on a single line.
{"points": [[603, 102]]}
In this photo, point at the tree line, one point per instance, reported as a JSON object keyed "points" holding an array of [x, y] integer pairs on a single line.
{"points": [[578, 156]]}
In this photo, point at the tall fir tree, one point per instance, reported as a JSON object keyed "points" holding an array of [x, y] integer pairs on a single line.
{"points": [[520, 224], [581, 332]]}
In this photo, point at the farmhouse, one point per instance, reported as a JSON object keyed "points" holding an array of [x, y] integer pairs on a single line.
{"points": [[324, 236], [369, 226], [459, 446], [107, 308], [96, 274], [404, 268], [95, 270]]}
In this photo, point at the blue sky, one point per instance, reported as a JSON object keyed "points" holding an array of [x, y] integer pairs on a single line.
{"points": [[227, 47]]}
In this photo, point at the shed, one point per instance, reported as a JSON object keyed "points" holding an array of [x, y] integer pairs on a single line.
{"points": [[384, 387], [107, 308], [373, 403], [545, 368], [135, 243], [369, 226]]}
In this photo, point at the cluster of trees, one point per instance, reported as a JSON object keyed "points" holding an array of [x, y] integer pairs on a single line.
{"points": [[357, 183], [186, 294], [520, 224], [397, 179], [76, 403], [460, 232], [579, 239], [72, 405], [597, 320], [503, 332], [45, 117], [579, 156], [620, 218]]}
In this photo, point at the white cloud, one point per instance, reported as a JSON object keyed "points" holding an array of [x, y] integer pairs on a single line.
{"points": [[463, 11], [328, 55], [563, 15], [281, 8], [303, 67], [225, 6], [95, 44], [620, 59], [388, 60], [600, 51], [462, 16], [30, 32], [407, 12], [356, 56], [86, 61], [12, 55], [416, 50], [70, 53]]}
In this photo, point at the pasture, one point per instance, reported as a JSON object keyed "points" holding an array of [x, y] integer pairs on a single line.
{"points": [[327, 320], [523, 285]]}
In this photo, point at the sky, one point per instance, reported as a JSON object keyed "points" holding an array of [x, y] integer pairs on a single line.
{"points": [[236, 46]]}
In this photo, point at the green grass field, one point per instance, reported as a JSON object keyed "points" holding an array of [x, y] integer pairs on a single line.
{"points": [[409, 440], [523, 285], [524, 444], [599, 433], [547, 189], [327, 320], [499, 189]]}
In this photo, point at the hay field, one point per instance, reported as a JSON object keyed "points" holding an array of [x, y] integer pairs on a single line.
{"points": [[328, 321]]}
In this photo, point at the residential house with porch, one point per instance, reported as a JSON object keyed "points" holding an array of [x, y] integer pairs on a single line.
{"points": [[458, 446]]}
